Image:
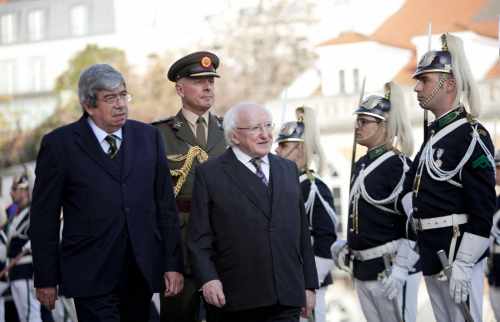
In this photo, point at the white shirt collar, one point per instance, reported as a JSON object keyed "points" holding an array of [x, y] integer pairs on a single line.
{"points": [[245, 158], [100, 133]]}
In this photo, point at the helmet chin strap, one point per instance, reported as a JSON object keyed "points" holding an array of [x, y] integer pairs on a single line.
{"points": [[428, 100]]}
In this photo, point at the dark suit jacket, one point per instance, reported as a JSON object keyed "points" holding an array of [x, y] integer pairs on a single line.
{"points": [[103, 207], [257, 243]]}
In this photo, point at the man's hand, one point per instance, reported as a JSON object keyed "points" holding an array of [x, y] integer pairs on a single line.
{"points": [[213, 293], [307, 310], [47, 296], [174, 283]]}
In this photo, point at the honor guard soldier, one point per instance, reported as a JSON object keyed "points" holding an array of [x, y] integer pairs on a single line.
{"points": [[299, 142], [377, 250], [450, 189], [191, 137], [494, 260], [19, 255]]}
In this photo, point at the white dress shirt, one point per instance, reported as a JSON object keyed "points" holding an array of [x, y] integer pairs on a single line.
{"points": [[246, 160], [100, 134]]}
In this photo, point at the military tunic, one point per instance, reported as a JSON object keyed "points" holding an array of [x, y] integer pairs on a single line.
{"points": [[179, 138], [370, 226], [471, 191]]}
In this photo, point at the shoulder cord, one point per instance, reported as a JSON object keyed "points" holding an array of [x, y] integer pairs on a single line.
{"points": [[182, 173], [309, 204]]}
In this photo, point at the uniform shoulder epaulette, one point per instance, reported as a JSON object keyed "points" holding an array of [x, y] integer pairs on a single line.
{"points": [[165, 120]]}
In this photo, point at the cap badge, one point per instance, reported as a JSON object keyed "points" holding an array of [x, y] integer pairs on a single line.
{"points": [[206, 62], [288, 129], [371, 102]]}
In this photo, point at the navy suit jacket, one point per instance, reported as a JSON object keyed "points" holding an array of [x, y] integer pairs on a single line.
{"points": [[255, 242], [104, 209]]}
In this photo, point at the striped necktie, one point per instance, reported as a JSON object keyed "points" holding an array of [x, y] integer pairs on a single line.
{"points": [[113, 147], [256, 163]]}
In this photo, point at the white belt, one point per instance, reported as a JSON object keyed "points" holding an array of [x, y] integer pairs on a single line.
{"points": [[440, 222], [376, 252], [24, 260]]}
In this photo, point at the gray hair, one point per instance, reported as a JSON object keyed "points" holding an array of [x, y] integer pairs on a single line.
{"points": [[96, 78], [232, 116]]}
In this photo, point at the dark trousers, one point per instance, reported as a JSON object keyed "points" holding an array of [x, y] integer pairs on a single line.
{"points": [[273, 313], [129, 302], [184, 307]]}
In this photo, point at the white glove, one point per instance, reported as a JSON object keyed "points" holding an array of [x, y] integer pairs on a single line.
{"points": [[406, 256], [471, 248], [393, 285], [407, 203], [339, 251]]}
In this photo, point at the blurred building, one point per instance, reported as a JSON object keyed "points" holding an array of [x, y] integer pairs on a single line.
{"points": [[39, 37], [390, 51]]}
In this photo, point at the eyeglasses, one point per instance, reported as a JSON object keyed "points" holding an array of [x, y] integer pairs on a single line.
{"points": [[363, 122], [115, 98], [265, 127]]}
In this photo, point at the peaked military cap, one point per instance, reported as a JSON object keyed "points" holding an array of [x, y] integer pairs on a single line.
{"points": [[198, 64], [375, 106]]}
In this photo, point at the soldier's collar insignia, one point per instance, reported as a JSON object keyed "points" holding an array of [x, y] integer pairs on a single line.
{"points": [[376, 152], [448, 118], [178, 124], [206, 62]]}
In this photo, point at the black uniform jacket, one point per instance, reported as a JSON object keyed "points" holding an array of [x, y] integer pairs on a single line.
{"points": [[252, 237], [375, 226], [476, 197]]}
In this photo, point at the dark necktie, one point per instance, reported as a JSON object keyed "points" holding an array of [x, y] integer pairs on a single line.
{"points": [[113, 148], [256, 163], [200, 132]]}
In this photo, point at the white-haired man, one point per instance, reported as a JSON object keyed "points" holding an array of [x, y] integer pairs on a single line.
{"points": [[248, 238]]}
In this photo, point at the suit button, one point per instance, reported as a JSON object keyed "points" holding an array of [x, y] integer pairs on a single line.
{"points": [[127, 210]]}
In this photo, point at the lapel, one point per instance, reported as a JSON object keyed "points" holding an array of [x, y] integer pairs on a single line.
{"points": [[183, 131], [215, 132], [129, 145], [277, 176], [249, 184], [86, 140]]}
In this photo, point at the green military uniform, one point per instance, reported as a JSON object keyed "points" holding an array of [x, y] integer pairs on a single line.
{"points": [[184, 152]]}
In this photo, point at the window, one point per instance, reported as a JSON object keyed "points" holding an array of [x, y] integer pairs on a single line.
{"points": [[36, 25], [37, 74], [341, 81], [7, 80], [79, 20], [355, 77], [8, 28]]}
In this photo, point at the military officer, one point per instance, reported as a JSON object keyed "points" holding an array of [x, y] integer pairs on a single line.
{"points": [[299, 142], [450, 189], [376, 229], [191, 137], [494, 260]]}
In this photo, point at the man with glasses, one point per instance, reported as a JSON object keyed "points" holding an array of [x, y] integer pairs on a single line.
{"points": [[192, 136], [110, 178], [248, 238]]}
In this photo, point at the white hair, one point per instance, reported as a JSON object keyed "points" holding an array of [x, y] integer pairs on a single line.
{"points": [[399, 132], [232, 117]]}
